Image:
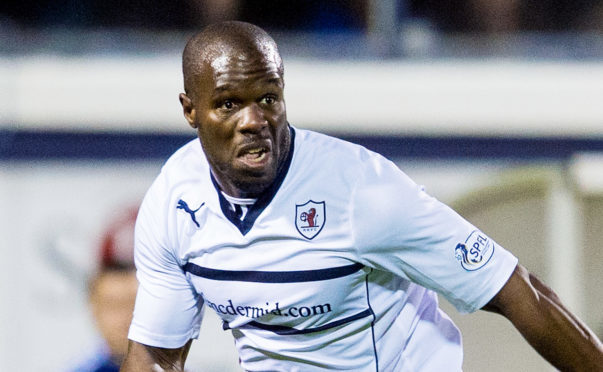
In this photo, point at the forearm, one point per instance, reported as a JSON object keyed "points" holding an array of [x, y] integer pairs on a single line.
{"points": [[142, 358], [552, 330], [545, 291], [562, 339]]}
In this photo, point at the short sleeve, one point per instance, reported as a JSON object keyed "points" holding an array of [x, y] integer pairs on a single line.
{"points": [[401, 229], [168, 311]]}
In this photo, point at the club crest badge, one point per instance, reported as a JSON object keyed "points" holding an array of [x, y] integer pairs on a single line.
{"points": [[310, 218]]}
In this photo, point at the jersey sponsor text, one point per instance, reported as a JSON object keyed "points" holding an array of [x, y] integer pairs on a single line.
{"points": [[259, 311]]}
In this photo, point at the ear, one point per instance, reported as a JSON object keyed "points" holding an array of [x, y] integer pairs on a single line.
{"points": [[188, 110]]}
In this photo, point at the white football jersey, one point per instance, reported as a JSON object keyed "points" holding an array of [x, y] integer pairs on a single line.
{"points": [[333, 268]]}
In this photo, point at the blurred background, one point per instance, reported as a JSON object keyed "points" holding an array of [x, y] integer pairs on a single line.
{"points": [[495, 106]]}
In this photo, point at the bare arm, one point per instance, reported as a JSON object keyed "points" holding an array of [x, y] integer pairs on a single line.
{"points": [[143, 358], [552, 330]]}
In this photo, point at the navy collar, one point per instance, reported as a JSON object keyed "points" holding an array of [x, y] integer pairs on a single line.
{"points": [[263, 200]]}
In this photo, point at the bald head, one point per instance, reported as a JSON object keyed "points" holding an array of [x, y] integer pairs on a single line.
{"points": [[223, 41], [233, 77]]}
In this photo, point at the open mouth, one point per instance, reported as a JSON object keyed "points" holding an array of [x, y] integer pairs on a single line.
{"points": [[255, 155]]}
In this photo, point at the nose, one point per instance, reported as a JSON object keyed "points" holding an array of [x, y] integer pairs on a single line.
{"points": [[252, 119]]}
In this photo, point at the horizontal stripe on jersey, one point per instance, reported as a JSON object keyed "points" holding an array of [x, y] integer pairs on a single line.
{"points": [[282, 330], [272, 276]]}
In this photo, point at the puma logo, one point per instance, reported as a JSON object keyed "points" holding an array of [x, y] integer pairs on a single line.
{"points": [[182, 205]]}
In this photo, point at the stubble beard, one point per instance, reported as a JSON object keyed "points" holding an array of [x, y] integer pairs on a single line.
{"points": [[254, 184]]}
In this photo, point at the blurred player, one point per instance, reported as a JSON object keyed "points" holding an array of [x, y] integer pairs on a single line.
{"points": [[112, 291], [316, 253]]}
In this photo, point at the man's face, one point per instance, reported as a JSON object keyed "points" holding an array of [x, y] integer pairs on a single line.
{"points": [[238, 109], [112, 298]]}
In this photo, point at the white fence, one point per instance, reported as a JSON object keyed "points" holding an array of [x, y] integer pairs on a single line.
{"points": [[495, 97]]}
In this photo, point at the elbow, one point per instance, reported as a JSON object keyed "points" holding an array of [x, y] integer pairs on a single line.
{"points": [[518, 292]]}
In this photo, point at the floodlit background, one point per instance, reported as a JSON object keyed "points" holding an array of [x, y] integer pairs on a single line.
{"points": [[494, 106]]}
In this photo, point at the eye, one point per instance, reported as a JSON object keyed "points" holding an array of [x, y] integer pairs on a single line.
{"points": [[269, 99], [227, 104]]}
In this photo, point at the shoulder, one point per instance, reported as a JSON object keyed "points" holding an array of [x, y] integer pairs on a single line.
{"points": [[331, 151], [185, 175], [360, 164], [188, 160], [321, 159], [187, 166], [308, 140]]}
